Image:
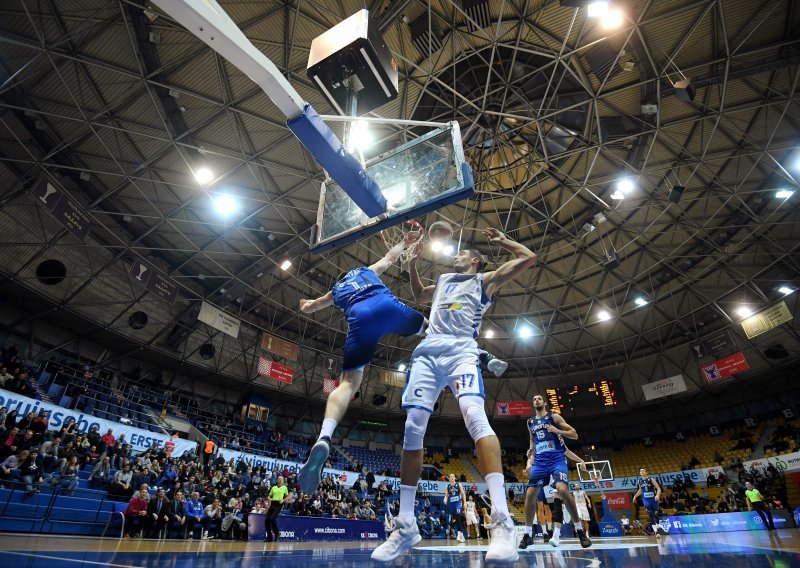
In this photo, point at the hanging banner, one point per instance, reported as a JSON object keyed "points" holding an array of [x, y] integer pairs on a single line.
{"points": [[280, 347], [329, 384], [766, 319], [273, 370], [63, 208], [513, 408], [393, 378], [153, 281], [664, 387], [219, 320], [140, 440], [725, 368]]}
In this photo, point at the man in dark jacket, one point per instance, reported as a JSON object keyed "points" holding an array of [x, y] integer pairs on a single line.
{"points": [[158, 514]]}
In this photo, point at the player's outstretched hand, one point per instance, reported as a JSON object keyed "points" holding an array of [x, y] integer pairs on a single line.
{"points": [[412, 237], [494, 235], [416, 251], [306, 306]]}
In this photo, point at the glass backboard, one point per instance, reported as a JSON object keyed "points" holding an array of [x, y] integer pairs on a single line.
{"points": [[417, 177]]}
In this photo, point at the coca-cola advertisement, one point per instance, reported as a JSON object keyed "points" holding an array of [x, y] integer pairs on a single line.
{"points": [[618, 500]]}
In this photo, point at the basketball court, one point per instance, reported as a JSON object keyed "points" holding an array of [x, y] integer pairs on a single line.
{"points": [[731, 550]]}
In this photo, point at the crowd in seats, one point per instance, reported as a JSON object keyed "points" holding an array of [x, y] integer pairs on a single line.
{"points": [[15, 374], [785, 439]]}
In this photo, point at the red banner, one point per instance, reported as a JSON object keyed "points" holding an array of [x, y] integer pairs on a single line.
{"points": [[725, 368], [273, 370], [618, 500], [513, 408]]}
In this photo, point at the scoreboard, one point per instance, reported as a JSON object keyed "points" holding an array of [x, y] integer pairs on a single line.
{"points": [[592, 398]]}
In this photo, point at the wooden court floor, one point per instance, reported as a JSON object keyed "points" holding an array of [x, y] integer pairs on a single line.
{"points": [[746, 549]]}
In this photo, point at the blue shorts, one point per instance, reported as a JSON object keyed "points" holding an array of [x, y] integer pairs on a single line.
{"points": [[650, 505], [371, 319], [454, 508], [544, 469]]}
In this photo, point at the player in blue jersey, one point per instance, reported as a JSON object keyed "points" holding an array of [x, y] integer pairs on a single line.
{"points": [[372, 311], [455, 500], [449, 356], [650, 491], [547, 462]]}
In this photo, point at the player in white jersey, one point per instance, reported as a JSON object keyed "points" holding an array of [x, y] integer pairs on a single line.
{"points": [[582, 504], [471, 515], [448, 356]]}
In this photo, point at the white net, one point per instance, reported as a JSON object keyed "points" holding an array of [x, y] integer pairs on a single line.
{"points": [[397, 233]]}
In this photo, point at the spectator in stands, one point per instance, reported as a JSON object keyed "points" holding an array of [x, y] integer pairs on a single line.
{"points": [[212, 520], [66, 453], [49, 453], [26, 442], [136, 514], [95, 439], [11, 419], [27, 422], [108, 438], [3, 409], [625, 523], [10, 464], [68, 431], [722, 505], [40, 426], [101, 474], [169, 477], [157, 514], [300, 506], [121, 483], [234, 520], [711, 480], [10, 443], [31, 472], [194, 513], [68, 476], [177, 512]]}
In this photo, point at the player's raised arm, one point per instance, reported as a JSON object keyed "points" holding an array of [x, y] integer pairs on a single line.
{"points": [[421, 293], [523, 259], [562, 428], [310, 306], [394, 253]]}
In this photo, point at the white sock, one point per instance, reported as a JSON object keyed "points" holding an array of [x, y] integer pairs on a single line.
{"points": [[497, 493], [328, 426], [407, 496]]}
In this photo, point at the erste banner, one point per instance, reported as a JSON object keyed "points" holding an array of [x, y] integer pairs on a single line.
{"points": [[140, 440]]}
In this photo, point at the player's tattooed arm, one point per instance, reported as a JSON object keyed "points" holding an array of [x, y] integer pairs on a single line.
{"points": [[310, 306], [562, 428]]}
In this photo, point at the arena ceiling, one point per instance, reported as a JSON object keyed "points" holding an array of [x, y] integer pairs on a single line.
{"points": [[119, 104]]}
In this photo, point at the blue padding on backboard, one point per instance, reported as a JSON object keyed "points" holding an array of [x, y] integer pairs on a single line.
{"points": [[465, 192], [348, 172]]}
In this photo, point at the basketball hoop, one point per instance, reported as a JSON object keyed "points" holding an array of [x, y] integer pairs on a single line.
{"points": [[396, 234]]}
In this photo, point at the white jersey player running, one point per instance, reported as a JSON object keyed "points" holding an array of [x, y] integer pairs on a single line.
{"points": [[448, 356]]}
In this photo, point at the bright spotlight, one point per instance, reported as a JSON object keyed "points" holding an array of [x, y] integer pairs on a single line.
{"points": [[361, 135], [604, 316], [744, 312], [598, 8], [625, 185], [784, 194], [437, 246], [785, 290], [286, 264], [611, 19], [401, 367], [617, 196], [203, 175], [525, 332], [489, 334], [449, 250], [225, 204], [640, 301]]}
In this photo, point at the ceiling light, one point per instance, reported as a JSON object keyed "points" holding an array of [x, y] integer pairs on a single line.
{"points": [[744, 311], [640, 301], [360, 136], [489, 334], [437, 246], [449, 250], [785, 290], [225, 204], [286, 264], [203, 175], [784, 194], [525, 332], [401, 367], [625, 185], [618, 196], [597, 8], [611, 19], [604, 316]]}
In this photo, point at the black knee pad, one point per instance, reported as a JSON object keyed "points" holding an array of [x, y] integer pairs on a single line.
{"points": [[558, 511]]}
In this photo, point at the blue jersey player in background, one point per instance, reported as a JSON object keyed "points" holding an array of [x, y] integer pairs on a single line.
{"points": [[547, 462], [650, 491], [372, 311], [455, 499]]}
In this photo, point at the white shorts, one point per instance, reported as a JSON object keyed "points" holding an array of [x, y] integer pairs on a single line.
{"points": [[440, 361], [583, 513], [471, 519]]}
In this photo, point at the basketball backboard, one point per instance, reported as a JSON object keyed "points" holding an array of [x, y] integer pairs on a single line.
{"points": [[417, 177]]}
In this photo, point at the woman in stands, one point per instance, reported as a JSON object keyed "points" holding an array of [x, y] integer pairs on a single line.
{"points": [[68, 431], [11, 463], [11, 419], [68, 480]]}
